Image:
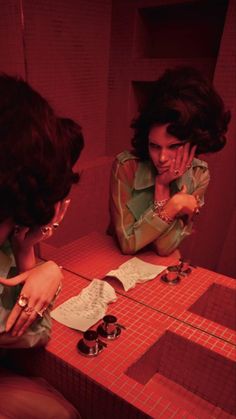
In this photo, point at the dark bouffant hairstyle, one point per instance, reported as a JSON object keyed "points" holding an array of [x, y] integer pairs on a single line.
{"points": [[188, 102], [35, 155]]}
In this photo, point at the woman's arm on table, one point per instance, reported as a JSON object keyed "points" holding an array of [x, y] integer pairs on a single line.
{"points": [[178, 230], [132, 234]]}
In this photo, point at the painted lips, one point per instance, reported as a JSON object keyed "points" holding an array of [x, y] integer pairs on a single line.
{"points": [[162, 170]]}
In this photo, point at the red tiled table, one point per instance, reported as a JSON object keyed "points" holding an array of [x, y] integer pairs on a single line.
{"points": [[95, 255], [100, 386]]}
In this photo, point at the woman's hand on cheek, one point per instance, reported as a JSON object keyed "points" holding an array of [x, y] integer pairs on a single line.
{"points": [[179, 165], [41, 284], [182, 161]]}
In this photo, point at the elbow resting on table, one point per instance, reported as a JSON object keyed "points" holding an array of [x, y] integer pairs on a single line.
{"points": [[164, 250], [127, 250], [127, 247]]}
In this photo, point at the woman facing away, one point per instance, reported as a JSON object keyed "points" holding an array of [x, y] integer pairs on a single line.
{"points": [[37, 155], [158, 187]]}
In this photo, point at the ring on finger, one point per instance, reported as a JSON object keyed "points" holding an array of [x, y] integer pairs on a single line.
{"points": [[22, 301], [58, 290], [41, 312], [28, 310]]}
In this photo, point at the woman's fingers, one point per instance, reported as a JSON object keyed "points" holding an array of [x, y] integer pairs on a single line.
{"points": [[179, 157], [41, 286], [61, 211], [183, 189], [13, 317], [19, 279], [20, 319], [191, 155], [185, 157]]}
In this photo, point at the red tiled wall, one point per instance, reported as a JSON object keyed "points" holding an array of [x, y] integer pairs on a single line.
{"points": [[11, 50], [67, 52]]}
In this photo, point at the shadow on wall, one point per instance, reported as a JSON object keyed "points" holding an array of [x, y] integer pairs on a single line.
{"points": [[213, 244]]}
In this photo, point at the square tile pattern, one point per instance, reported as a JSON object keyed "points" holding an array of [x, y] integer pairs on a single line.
{"points": [[174, 360]]}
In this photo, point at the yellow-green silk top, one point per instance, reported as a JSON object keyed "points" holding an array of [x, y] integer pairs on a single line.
{"points": [[133, 217]]}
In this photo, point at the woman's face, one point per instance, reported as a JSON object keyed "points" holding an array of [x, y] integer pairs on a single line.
{"points": [[162, 147]]}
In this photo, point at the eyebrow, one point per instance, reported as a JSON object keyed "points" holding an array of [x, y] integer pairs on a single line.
{"points": [[177, 143]]}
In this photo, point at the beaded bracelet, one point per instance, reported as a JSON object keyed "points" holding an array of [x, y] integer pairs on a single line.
{"points": [[158, 205], [161, 212], [165, 217]]}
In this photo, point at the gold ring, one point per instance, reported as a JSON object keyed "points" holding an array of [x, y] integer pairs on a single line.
{"points": [[58, 290], [22, 300]]}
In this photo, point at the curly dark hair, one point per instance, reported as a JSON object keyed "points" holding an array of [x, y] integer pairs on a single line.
{"points": [[35, 155], [187, 101]]}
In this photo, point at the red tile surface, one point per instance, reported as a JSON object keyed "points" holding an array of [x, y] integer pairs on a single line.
{"points": [[218, 303], [144, 326], [148, 311], [100, 386], [192, 365], [96, 254]]}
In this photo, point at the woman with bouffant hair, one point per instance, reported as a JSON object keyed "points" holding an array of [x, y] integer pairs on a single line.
{"points": [[158, 187], [37, 155]]}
